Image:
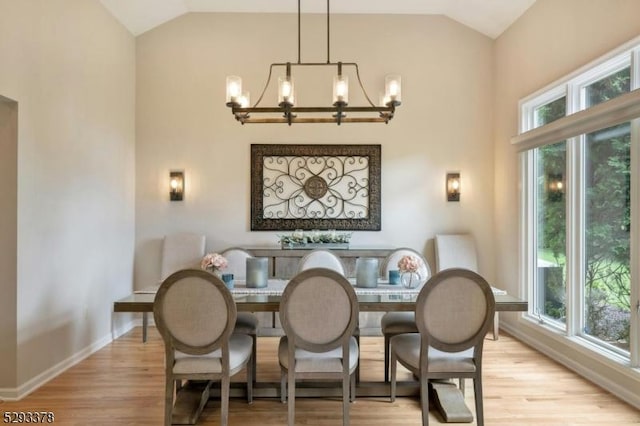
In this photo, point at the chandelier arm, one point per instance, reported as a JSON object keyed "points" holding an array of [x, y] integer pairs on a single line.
{"points": [[361, 86], [265, 86]]}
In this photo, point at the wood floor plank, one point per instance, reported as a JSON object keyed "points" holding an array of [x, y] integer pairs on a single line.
{"points": [[122, 384]]}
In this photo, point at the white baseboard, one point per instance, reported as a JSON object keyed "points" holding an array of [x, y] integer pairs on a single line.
{"points": [[628, 395], [118, 331], [15, 394], [8, 394]]}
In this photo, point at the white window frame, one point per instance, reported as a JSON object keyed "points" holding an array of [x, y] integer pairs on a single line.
{"points": [[572, 128]]}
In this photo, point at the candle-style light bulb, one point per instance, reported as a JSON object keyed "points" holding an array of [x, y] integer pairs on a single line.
{"points": [[285, 89], [340, 89], [245, 100], [234, 89], [393, 88]]}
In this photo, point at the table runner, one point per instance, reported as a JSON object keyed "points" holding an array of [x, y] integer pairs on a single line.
{"points": [[276, 286]]}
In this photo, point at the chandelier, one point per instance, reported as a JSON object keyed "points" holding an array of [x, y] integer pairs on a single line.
{"points": [[288, 111]]}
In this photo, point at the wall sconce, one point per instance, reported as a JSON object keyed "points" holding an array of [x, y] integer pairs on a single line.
{"points": [[176, 185], [453, 186], [555, 187]]}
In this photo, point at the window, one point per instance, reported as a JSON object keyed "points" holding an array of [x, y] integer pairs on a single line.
{"points": [[577, 205], [606, 257], [550, 171]]}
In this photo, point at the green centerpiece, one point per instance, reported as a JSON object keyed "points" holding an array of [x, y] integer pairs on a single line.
{"points": [[330, 239]]}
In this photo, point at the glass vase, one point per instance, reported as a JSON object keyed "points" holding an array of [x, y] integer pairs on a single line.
{"points": [[410, 279]]}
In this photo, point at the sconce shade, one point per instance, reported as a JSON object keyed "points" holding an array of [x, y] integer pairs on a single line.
{"points": [[453, 186], [176, 185]]}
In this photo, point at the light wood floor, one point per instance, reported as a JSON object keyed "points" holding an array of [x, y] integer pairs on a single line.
{"points": [[122, 384]]}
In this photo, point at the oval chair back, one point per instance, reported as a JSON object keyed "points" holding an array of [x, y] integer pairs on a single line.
{"points": [[391, 262], [321, 259]]}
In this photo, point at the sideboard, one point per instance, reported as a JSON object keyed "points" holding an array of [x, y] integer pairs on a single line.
{"points": [[283, 263]]}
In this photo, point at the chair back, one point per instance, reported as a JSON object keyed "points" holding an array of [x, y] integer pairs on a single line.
{"points": [[321, 259], [456, 251], [180, 251], [455, 310], [318, 310], [236, 262], [194, 312], [391, 262]]}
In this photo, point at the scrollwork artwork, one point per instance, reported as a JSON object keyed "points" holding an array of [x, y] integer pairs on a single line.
{"points": [[315, 187]]}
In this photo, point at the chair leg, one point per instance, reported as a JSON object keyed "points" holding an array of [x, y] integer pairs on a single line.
{"points": [[387, 338], [291, 398], [283, 386], [394, 368], [424, 399], [346, 387], [254, 356], [477, 386], [461, 385], [496, 326], [357, 372], [251, 376], [168, 400], [224, 400], [352, 381]]}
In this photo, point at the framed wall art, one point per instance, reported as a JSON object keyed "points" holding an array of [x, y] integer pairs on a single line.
{"points": [[315, 187]]}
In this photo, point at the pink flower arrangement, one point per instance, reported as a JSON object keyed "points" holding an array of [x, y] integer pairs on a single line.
{"points": [[409, 263], [214, 261]]}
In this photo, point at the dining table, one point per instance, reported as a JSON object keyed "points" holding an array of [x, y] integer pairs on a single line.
{"points": [[383, 297]]}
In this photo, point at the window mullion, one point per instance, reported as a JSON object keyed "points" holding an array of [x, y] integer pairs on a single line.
{"points": [[575, 237], [528, 228], [634, 338]]}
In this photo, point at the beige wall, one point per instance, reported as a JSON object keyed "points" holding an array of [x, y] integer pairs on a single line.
{"points": [[444, 124], [8, 240], [71, 68], [552, 39]]}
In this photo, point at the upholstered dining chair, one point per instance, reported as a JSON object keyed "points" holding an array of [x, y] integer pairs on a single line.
{"points": [[453, 312], [393, 323], [318, 312], [459, 251], [195, 315], [321, 259], [181, 250], [246, 322], [325, 259]]}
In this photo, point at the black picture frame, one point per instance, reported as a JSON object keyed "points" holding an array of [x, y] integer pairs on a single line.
{"points": [[338, 157]]}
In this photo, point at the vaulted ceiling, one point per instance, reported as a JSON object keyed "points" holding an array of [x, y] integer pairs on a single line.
{"points": [[490, 17]]}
